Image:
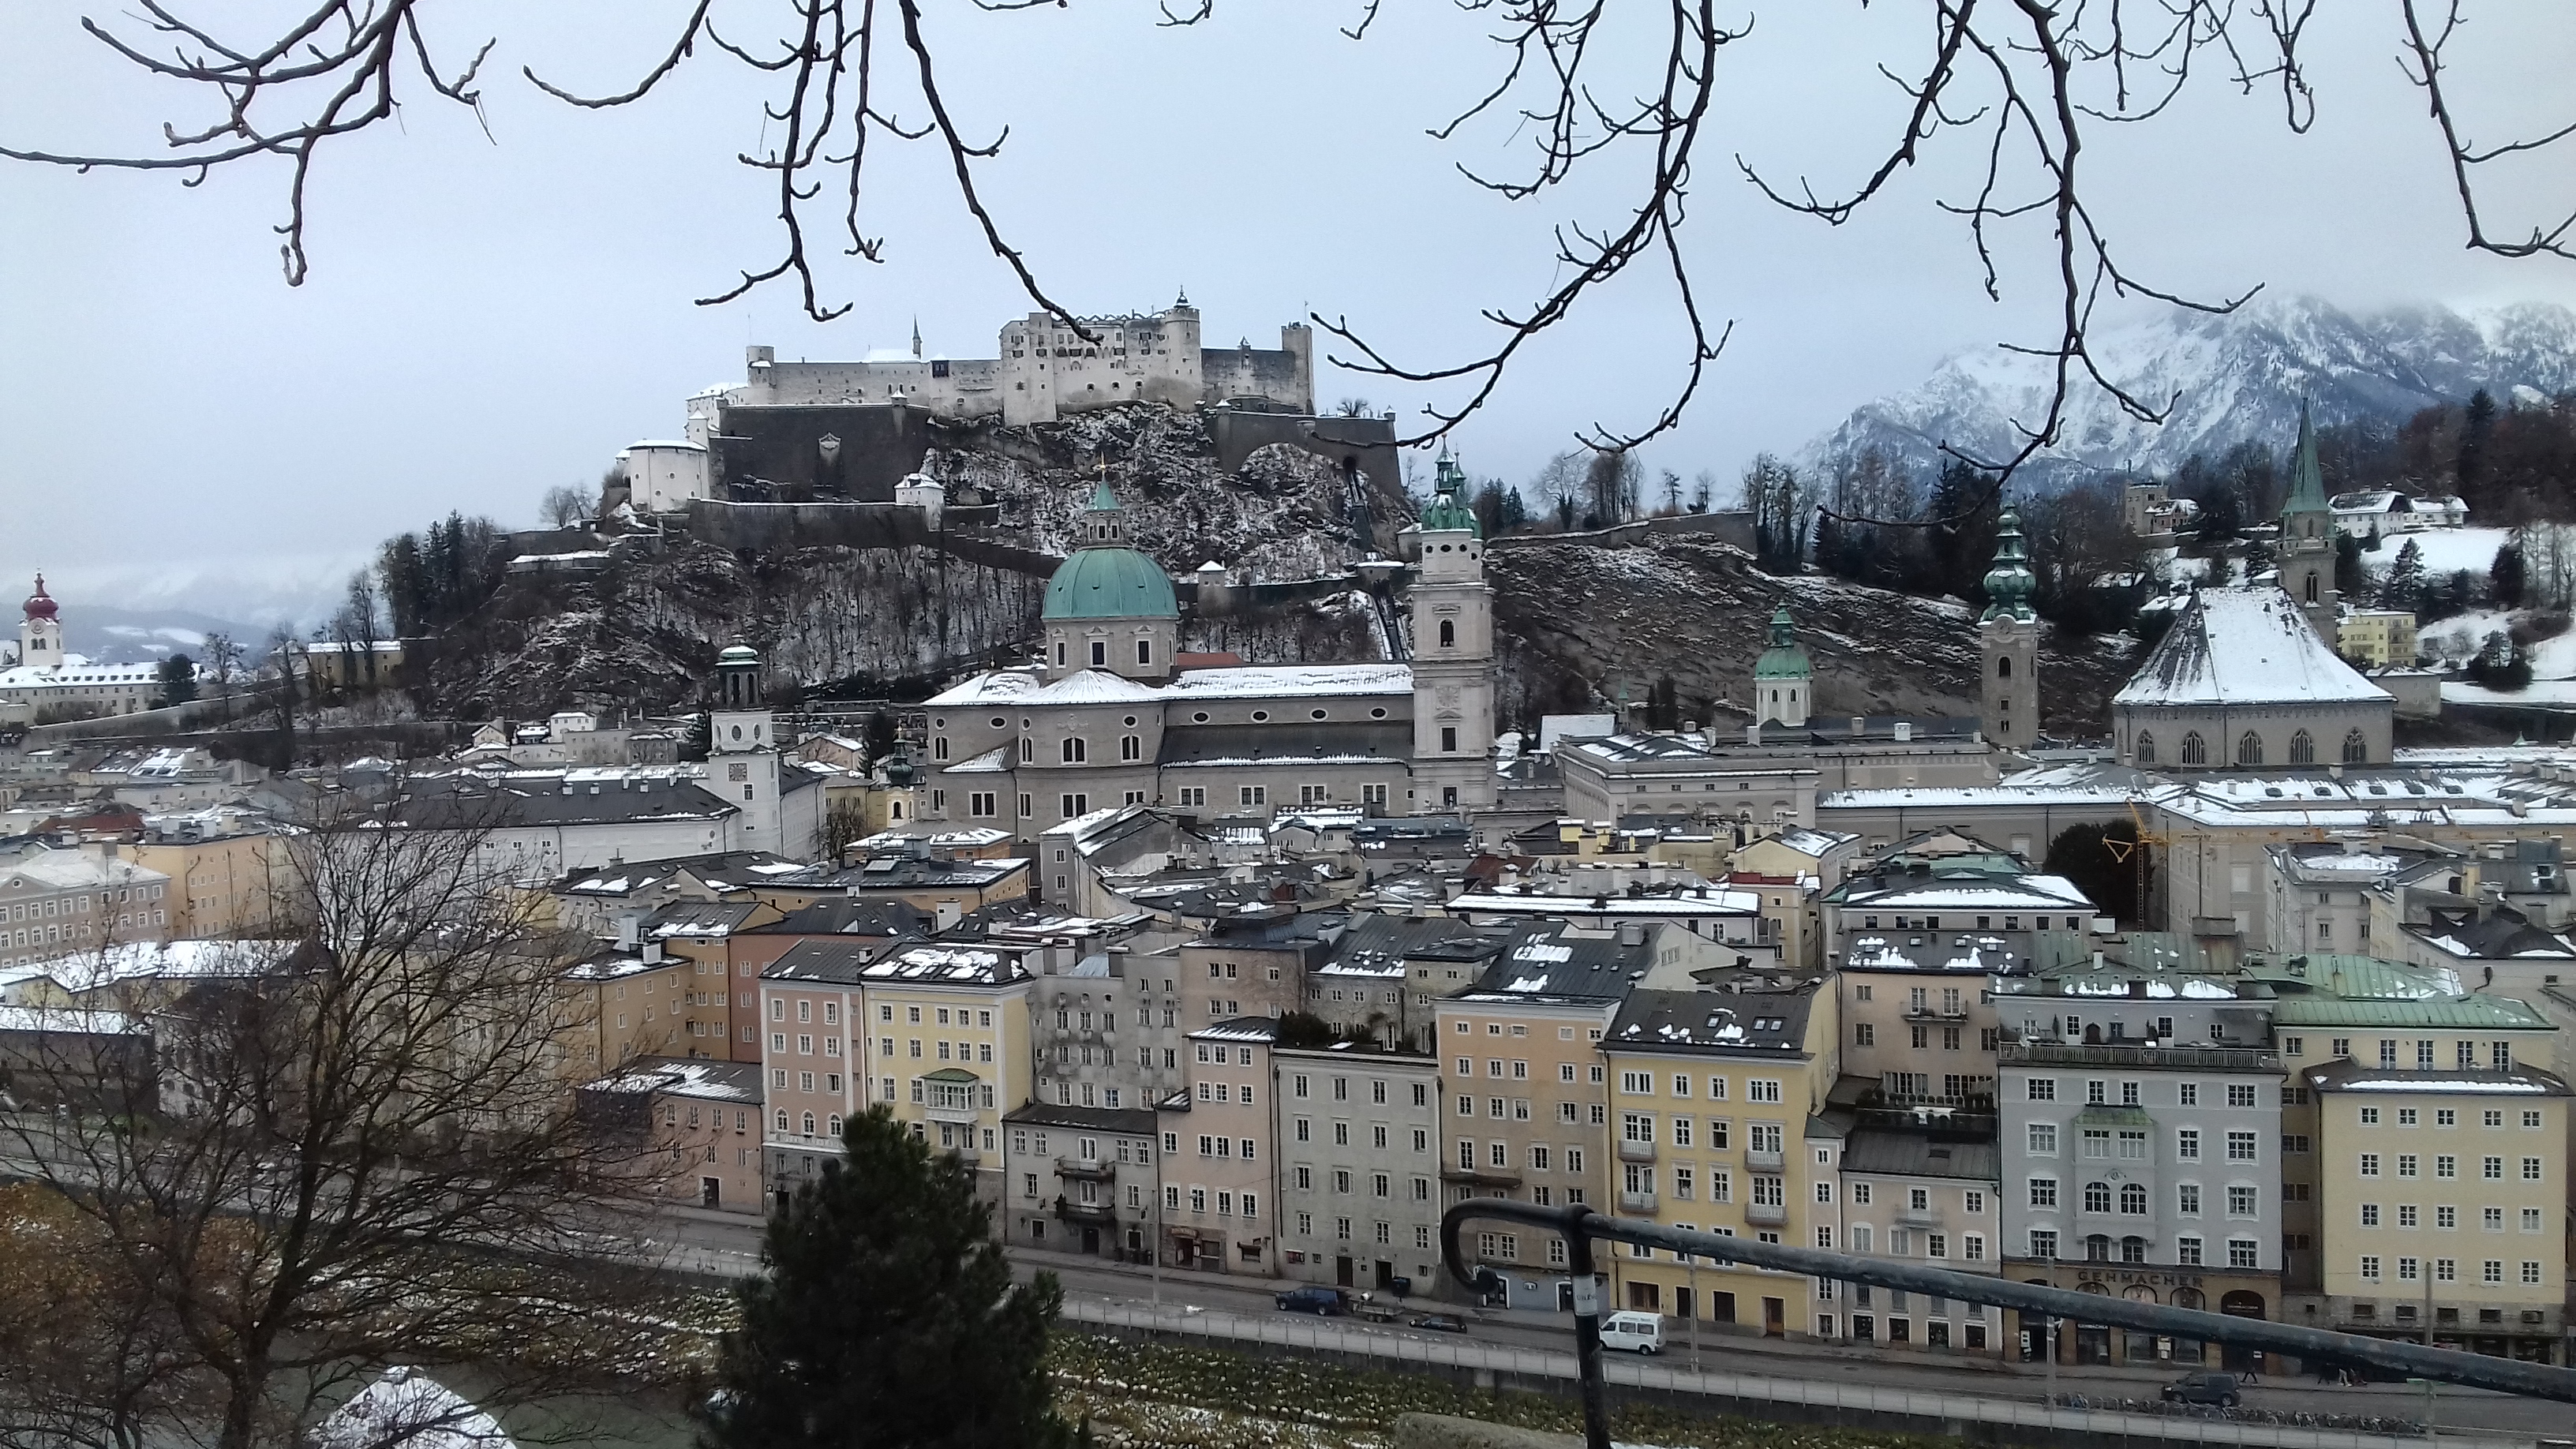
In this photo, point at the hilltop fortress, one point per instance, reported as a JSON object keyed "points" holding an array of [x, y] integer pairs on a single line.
{"points": [[1044, 370]]}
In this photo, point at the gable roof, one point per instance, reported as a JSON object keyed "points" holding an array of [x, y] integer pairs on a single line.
{"points": [[2245, 646]]}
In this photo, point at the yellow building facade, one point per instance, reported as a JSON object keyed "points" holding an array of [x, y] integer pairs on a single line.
{"points": [[1711, 1095]]}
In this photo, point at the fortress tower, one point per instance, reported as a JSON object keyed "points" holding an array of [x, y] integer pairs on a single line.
{"points": [[1453, 654], [2008, 644]]}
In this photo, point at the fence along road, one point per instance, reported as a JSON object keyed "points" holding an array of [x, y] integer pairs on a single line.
{"points": [[1937, 1413]]}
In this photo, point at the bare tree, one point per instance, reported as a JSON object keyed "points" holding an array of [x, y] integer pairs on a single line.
{"points": [[2026, 88], [223, 661], [356, 1147], [356, 629], [564, 506]]}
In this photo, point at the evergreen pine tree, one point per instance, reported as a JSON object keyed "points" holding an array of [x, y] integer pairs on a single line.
{"points": [[2402, 587], [2350, 576], [2505, 577], [886, 1316]]}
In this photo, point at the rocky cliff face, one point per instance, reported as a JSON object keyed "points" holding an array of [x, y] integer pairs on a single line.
{"points": [[1697, 610], [643, 633]]}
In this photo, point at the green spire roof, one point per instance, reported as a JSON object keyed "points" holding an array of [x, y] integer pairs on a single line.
{"points": [[1448, 508], [1102, 500], [1786, 658], [2307, 480], [2009, 583]]}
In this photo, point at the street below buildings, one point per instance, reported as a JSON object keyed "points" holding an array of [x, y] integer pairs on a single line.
{"points": [[731, 1245]]}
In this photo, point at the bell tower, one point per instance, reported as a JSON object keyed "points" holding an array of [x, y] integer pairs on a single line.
{"points": [[742, 750], [40, 634], [2307, 553], [1452, 617], [2008, 644], [1783, 678]]}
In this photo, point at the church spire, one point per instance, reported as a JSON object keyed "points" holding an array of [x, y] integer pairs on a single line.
{"points": [[916, 337], [2009, 584], [2307, 480]]}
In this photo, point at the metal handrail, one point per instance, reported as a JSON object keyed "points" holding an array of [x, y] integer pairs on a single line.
{"points": [[1579, 1224]]}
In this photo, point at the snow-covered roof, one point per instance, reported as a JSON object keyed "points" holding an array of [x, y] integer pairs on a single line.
{"points": [[1092, 686], [1278, 681], [681, 443], [77, 670], [993, 687], [407, 1409], [63, 1019], [2242, 647]]}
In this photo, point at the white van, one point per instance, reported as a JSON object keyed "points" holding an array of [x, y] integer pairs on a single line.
{"points": [[1635, 1332]]}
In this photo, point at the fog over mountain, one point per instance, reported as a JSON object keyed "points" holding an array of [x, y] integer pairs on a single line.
{"points": [[2228, 379]]}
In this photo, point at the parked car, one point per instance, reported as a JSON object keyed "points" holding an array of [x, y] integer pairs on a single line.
{"points": [[1442, 1323], [2210, 1388], [1322, 1302], [1636, 1332]]}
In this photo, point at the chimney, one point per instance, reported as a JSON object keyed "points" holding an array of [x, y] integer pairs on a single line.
{"points": [[1904, 731], [1632, 933], [949, 915], [653, 952], [2490, 896], [1753, 734], [630, 929], [1860, 725]]}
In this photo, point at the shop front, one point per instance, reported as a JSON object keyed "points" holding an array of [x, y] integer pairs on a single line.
{"points": [[2238, 1295]]}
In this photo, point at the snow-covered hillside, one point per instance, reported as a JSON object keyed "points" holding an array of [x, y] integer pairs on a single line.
{"points": [[2229, 379]]}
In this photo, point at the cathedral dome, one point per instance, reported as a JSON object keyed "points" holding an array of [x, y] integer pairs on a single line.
{"points": [[40, 605], [1105, 579], [1110, 583]]}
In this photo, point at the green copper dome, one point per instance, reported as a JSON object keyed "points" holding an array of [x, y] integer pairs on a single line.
{"points": [[2009, 584], [1105, 579], [1786, 658], [1448, 508]]}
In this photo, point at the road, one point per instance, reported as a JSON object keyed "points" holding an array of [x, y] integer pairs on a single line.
{"points": [[736, 1245]]}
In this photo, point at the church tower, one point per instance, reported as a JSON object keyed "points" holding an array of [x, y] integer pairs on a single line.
{"points": [[2008, 644], [742, 750], [1783, 678], [40, 634], [2307, 552], [1453, 655]]}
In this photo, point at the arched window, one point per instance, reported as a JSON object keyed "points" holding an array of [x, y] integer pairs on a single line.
{"points": [[2193, 751], [2097, 1248], [1448, 634], [2133, 1200], [2249, 748], [809, 1124], [2356, 750], [2134, 1250], [939, 748], [2097, 1197], [2146, 748], [2312, 588], [2003, 667], [1131, 747], [1071, 749], [2303, 749]]}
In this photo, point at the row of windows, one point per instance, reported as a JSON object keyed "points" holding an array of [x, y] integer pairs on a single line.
{"points": [[1642, 1084], [2491, 1168], [2189, 1251], [2097, 1092], [1345, 1183], [2243, 1200], [1517, 1109], [1379, 1133], [2446, 1217], [1384, 1233], [2249, 748], [2447, 1270], [2041, 1140]]}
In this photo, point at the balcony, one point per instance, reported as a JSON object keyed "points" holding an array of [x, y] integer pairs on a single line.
{"points": [[1922, 1217], [1085, 1168], [967, 1155], [1641, 1203], [1766, 1214], [1928, 1012], [1481, 1176], [1085, 1212], [1758, 1160], [1636, 1152]]}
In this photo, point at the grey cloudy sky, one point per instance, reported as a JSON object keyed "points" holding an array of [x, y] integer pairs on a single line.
{"points": [[487, 319]]}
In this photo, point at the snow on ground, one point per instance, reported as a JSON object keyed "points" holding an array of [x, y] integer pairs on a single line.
{"points": [[2445, 551], [2560, 693], [2462, 635]]}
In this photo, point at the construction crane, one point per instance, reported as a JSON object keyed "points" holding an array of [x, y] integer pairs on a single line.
{"points": [[2141, 850]]}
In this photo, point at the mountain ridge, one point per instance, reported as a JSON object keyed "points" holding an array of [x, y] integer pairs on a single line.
{"points": [[2230, 378]]}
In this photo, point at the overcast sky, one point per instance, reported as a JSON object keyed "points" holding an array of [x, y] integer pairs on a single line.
{"points": [[487, 319]]}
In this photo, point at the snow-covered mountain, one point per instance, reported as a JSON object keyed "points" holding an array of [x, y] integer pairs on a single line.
{"points": [[2230, 378]]}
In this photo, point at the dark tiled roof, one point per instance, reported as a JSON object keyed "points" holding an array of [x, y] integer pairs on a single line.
{"points": [[1773, 1022], [833, 963]]}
